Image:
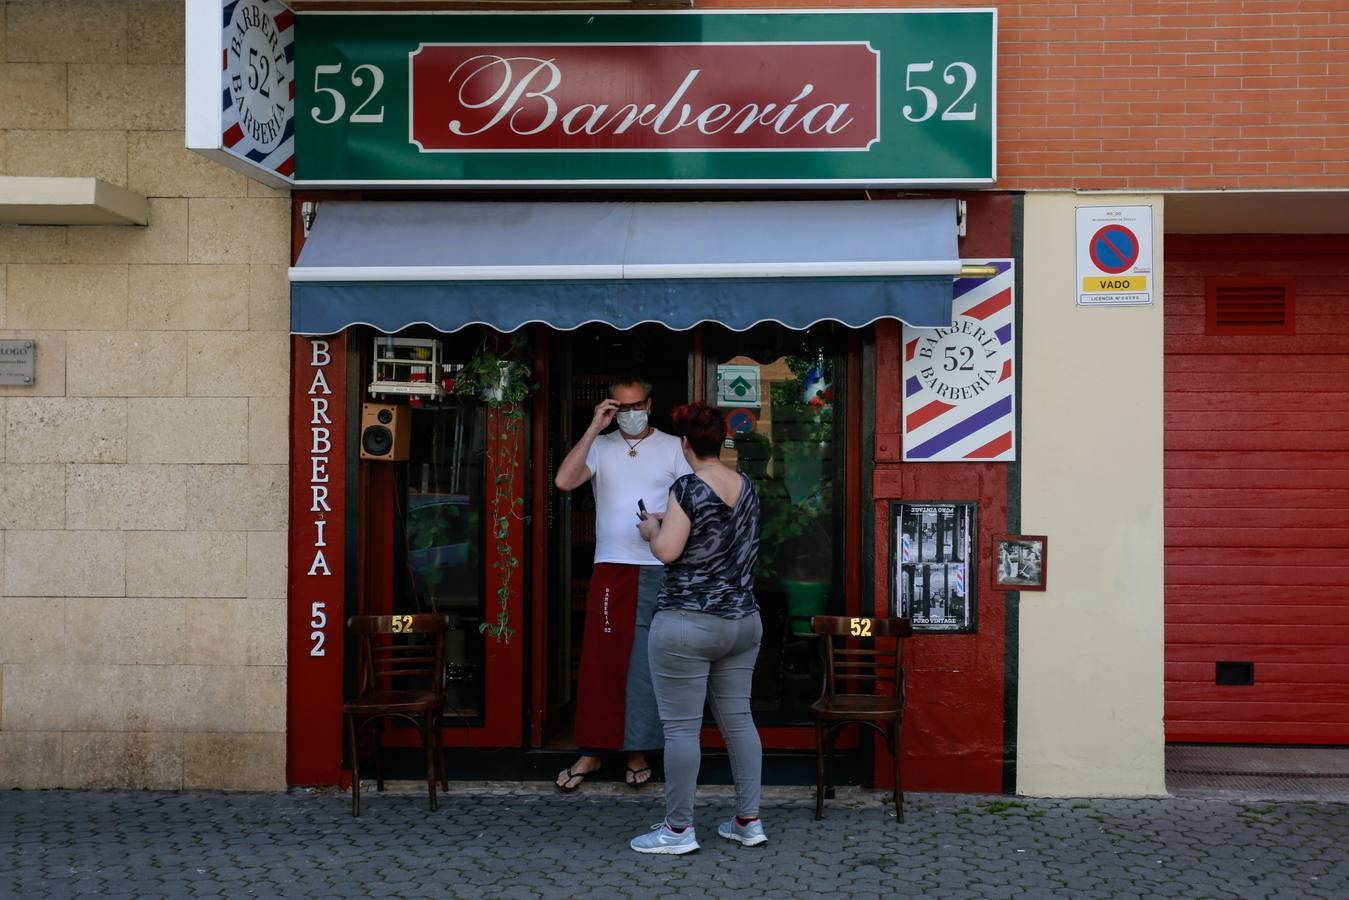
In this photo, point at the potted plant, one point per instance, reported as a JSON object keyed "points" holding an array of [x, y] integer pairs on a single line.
{"points": [[496, 377]]}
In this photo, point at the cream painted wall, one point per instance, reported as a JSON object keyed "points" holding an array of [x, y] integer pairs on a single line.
{"points": [[1091, 647], [143, 477]]}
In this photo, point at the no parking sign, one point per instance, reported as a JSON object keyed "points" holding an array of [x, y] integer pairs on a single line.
{"points": [[1114, 255]]}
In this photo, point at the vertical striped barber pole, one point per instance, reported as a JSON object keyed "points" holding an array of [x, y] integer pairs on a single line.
{"points": [[959, 393]]}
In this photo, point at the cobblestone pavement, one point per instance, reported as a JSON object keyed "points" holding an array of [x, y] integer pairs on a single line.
{"points": [[522, 841]]}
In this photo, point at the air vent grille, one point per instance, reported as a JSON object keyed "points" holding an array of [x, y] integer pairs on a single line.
{"points": [[1247, 307]]}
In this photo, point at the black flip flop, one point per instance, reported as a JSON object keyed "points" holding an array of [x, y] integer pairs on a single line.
{"points": [[571, 775], [632, 777]]}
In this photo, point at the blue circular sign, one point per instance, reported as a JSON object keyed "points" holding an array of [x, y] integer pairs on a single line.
{"points": [[1114, 249], [740, 421]]}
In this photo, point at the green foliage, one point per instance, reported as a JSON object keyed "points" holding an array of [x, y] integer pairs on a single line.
{"points": [[500, 378]]}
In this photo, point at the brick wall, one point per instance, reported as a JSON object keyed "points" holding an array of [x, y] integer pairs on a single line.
{"points": [[1148, 94], [143, 477]]}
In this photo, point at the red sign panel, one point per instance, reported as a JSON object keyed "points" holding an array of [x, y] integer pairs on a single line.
{"points": [[314, 620], [670, 97]]}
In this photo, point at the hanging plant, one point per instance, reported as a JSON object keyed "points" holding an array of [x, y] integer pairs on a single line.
{"points": [[500, 379]]}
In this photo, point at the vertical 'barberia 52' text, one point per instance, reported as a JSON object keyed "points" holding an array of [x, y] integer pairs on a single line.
{"points": [[320, 450]]}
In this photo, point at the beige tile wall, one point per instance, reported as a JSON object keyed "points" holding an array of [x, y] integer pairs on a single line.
{"points": [[143, 477]]}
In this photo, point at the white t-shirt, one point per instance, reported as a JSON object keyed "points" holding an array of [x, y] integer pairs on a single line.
{"points": [[619, 480]]}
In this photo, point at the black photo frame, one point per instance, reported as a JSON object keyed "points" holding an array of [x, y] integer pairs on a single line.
{"points": [[934, 564], [1020, 562]]}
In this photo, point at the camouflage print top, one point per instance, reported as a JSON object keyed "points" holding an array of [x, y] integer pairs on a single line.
{"points": [[715, 573]]}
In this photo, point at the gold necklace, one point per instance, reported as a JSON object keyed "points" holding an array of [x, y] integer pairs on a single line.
{"points": [[632, 447]]}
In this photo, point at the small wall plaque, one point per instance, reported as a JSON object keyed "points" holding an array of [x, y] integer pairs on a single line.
{"points": [[17, 362]]}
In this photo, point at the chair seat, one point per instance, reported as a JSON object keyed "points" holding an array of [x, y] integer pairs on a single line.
{"points": [[391, 702], [846, 706]]}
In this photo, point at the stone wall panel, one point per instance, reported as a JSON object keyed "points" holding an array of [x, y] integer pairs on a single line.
{"points": [[238, 762], [32, 243], [65, 564], [70, 297], [191, 298], [125, 761], [155, 31], [85, 31], [32, 95], [29, 760], [138, 98], [126, 364], [34, 629], [177, 430], [267, 555], [126, 497], [237, 498], [186, 563], [125, 631], [238, 364], [84, 430], [239, 231], [268, 298], [101, 154], [158, 165], [236, 632], [268, 431], [33, 496]]}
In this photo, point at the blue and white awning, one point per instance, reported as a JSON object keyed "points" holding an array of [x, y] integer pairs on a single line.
{"points": [[448, 265]]}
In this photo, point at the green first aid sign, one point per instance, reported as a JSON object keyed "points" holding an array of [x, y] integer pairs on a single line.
{"points": [[888, 97]]}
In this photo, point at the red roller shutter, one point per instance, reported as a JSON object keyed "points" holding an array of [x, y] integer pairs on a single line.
{"points": [[1257, 489]]}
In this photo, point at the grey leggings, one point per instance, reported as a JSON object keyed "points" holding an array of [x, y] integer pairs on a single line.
{"points": [[690, 653]]}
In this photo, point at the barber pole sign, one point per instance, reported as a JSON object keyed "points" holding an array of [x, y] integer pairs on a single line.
{"points": [[959, 384], [241, 86]]}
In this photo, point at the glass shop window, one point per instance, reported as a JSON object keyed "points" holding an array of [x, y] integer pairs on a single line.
{"points": [[782, 393]]}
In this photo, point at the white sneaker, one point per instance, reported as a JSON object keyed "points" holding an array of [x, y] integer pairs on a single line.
{"points": [[660, 839], [750, 835]]}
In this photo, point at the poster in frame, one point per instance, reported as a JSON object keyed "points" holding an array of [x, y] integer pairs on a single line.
{"points": [[933, 572], [1020, 562]]}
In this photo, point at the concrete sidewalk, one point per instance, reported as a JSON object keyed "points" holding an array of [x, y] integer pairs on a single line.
{"points": [[527, 841]]}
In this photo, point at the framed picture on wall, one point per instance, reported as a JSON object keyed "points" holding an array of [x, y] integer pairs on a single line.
{"points": [[933, 552], [1020, 562]]}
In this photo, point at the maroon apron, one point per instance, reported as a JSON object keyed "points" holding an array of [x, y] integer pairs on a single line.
{"points": [[611, 620]]}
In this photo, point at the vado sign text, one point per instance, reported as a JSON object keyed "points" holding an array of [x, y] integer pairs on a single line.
{"points": [[667, 97]]}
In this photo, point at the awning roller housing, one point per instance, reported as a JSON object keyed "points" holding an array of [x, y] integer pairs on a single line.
{"points": [[394, 264]]}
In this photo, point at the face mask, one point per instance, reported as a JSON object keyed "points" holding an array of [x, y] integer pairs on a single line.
{"points": [[632, 421]]}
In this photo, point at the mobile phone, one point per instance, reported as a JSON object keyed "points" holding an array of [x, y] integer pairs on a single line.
{"points": [[641, 508]]}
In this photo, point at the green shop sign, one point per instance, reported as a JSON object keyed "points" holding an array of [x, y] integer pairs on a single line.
{"points": [[889, 97]]}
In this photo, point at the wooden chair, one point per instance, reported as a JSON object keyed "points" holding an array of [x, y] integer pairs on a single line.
{"points": [[856, 666], [401, 675]]}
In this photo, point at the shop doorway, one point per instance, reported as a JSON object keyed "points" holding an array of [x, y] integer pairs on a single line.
{"points": [[582, 365], [787, 435]]}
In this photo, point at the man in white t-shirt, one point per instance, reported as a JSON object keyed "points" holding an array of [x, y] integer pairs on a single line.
{"points": [[615, 705]]}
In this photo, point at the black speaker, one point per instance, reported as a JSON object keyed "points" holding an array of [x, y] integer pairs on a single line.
{"points": [[385, 432]]}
